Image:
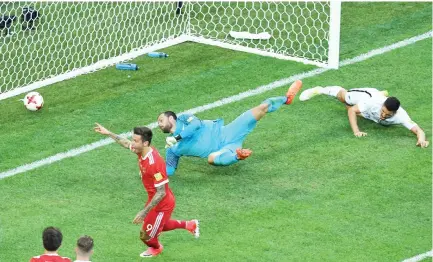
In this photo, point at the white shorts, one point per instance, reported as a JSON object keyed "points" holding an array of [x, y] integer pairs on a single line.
{"points": [[356, 95]]}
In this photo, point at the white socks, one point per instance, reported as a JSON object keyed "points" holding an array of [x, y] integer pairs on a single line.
{"points": [[331, 90]]}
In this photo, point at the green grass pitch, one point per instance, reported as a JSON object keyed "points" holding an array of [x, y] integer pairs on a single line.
{"points": [[311, 191]]}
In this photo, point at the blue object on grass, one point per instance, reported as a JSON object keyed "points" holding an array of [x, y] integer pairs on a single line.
{"points": [[157, 54], [127, 66]]}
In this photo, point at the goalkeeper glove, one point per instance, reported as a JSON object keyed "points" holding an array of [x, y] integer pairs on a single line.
{"points": [[172, 140]]}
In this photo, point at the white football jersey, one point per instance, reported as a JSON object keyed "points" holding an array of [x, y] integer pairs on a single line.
{"points": [[370, 109]]}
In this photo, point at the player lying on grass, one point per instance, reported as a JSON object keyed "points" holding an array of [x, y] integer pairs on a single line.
{"points": [[156, 215], [220, 144], [371, 104]]}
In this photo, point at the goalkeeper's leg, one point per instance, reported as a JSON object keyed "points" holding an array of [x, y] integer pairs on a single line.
{"points": [[229, 155], [233, 134], [223, 157], [237, 130], [272, 104]]}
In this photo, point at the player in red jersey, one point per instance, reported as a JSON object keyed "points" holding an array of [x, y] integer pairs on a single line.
{"points": [[52, 240], [160, 203]]}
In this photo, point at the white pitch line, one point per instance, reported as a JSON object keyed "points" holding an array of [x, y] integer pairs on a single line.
{"points": [[224, 101], [419, 257]]}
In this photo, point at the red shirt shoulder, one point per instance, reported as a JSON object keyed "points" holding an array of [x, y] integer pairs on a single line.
{"points": [[152, 163], [50, 258], [153, 169]]}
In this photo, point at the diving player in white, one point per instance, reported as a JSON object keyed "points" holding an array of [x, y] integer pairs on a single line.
{"points": [[371, 104]]}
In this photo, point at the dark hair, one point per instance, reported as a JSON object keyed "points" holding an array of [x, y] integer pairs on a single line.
{"points": [[392, 104], [170, 113], [144, 132], [85, 244], [52, 238]]}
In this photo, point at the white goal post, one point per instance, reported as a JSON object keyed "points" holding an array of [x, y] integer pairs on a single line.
{"points": [[42, 43]]}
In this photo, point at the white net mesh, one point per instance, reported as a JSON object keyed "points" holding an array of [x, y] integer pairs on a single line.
{"points": [[40, 40], [67, 36], [297, 29]]}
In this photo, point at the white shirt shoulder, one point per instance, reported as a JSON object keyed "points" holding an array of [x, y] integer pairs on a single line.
{"points": [[402, 118], [371, 109]]}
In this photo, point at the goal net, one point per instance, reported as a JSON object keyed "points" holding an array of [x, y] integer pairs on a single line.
{"points": [[46, 42]]}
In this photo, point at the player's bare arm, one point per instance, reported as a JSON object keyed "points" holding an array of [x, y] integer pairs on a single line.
{"points": [[420, 136], [120, 140], [352, 113], [159, 195]]}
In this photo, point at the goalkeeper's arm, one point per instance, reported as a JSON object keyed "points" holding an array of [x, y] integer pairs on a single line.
{"points": [[171, 161], [192, 124]]}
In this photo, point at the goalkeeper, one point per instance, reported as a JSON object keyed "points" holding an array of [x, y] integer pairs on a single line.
{"points": [[220, 144]]}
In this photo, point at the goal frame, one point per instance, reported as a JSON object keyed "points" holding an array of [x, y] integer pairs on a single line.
{"points": [[333, 52]]}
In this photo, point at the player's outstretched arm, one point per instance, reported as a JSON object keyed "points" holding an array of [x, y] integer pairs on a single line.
{"points": [[352, 112], [420, 136], [120, 140], [159, 195]]}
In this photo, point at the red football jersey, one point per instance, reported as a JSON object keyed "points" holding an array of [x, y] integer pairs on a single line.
{"points": [[153, 175], [49, 258]]}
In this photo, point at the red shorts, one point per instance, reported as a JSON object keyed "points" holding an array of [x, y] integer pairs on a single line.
{"points": [[154, 222]]}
